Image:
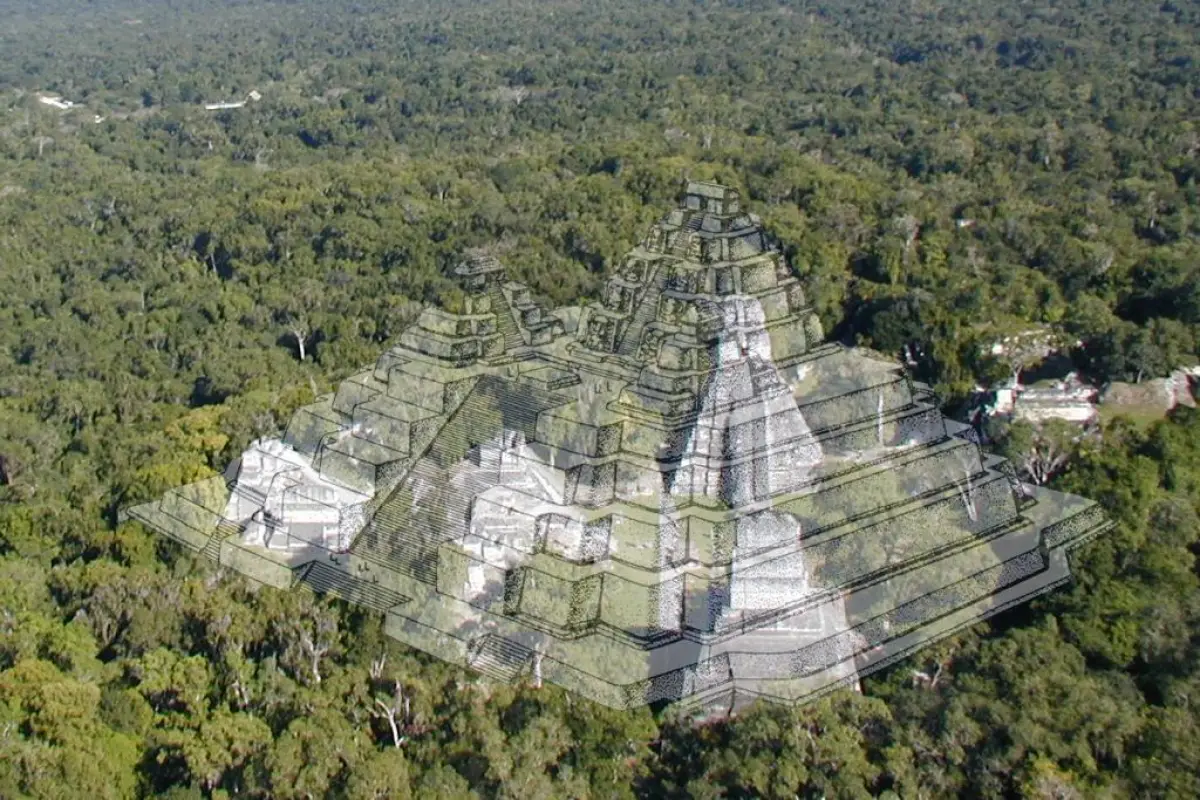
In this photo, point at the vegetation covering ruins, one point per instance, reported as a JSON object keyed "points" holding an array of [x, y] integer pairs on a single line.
{"points": [[177, 280]]}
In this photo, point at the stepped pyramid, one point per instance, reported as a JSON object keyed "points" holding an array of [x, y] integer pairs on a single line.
{"points": [[678, 493]]}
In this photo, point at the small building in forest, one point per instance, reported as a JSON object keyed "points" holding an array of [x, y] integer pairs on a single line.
{"points": [[54, 101], [253, 96]]}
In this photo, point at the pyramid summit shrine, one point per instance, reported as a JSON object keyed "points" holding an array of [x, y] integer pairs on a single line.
{"points": [[680, 492]]}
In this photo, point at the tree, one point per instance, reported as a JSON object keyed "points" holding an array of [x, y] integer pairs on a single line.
{"points": [[383, 775], [306, 632], [397, 710], [1039, 451], [218, 746], [312, 754], [57, 739]]}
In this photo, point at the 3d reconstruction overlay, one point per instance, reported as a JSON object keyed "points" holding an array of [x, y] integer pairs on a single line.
{"points": [[679, 493]]}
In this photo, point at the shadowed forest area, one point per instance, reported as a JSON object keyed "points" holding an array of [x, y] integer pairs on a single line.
{"points": [[175, 281]]}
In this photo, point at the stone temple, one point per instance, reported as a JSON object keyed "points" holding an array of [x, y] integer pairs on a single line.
{"points": [[678, 493]]}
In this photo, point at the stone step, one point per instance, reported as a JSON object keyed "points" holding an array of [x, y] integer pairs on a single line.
{"points": [[212, 550], [406, 541], [326, 579], [647, 312], [505, 324], [500, 659]]}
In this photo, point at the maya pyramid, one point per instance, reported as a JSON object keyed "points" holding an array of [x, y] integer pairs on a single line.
{"points": [[678, 493]]}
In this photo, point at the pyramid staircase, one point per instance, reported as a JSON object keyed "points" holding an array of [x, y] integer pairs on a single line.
{"points": [[500, 659], [505, 323], [212, 550], [857, 526], [405, 538], [646, 313], [323, 578]]}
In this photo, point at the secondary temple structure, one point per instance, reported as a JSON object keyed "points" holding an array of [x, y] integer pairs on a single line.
{"points": [[678, 493]]}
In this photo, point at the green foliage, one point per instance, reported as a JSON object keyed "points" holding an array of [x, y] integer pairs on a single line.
{"points": [[174, 282]]}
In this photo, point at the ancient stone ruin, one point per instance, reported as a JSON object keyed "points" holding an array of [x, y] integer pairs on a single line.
{"points": [[678, 493]]}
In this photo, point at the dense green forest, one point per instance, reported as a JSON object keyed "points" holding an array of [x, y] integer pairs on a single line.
{"points": [[175, 280]]}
